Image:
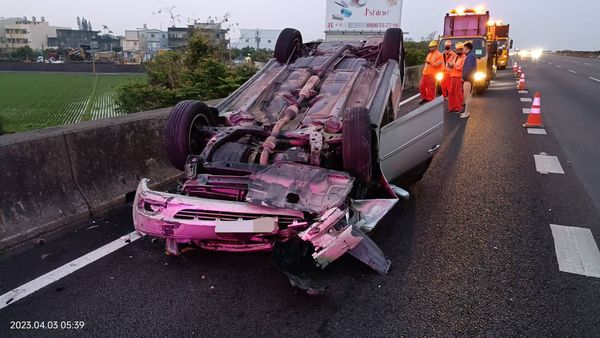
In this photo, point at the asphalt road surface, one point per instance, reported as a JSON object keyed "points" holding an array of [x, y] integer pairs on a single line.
{"points": [[472, 252], [570, 90]]}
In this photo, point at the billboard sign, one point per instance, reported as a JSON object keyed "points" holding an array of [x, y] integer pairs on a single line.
{"points": [[362, 15]]}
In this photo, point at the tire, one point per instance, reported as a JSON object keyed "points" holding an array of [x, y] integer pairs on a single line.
{"points": [[288, 45], [357, 144], [184, 134], [414, 175], [480, 90], [392, 47]]}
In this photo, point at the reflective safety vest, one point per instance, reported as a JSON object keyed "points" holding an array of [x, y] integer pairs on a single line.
{"points": [[449, 57], [459, 62], [435, 65]]}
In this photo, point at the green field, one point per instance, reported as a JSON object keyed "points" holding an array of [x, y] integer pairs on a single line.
{"points": [[38, 100]]}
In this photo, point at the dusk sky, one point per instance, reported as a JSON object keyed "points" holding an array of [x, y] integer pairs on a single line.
{"points": [[534, 23]]}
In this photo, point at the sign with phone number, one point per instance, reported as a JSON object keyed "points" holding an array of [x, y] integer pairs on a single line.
{"points": [[363, 15]]}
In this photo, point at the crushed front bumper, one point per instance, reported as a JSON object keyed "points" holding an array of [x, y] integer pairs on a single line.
{"points": [[212, 224]]}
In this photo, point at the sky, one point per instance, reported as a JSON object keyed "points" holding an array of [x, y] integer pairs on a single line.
{"points": [[545, 24]]}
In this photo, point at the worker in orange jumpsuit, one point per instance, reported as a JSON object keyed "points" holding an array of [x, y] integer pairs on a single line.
{"points": [[434, 64], [456, 97], [449, 56]]}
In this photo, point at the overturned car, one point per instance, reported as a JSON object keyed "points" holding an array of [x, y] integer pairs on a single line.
{"points": [[299, 159]]}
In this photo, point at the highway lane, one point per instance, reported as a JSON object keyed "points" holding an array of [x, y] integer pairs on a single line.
{"points": [[472, 253], [571, 109], [580, 65]]}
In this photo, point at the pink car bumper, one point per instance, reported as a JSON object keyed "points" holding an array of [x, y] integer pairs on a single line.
{"points": [[212, 224]]}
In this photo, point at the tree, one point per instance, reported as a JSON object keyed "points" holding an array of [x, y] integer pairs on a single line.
{"points": [[199, 72]]}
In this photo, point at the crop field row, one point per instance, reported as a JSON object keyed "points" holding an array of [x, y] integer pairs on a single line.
{"points": [[38, 100]]}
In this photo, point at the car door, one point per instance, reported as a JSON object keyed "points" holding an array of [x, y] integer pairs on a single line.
{"points": [[411, 139]]}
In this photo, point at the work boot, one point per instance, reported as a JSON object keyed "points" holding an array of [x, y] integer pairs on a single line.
{"points": [[423, 101], [465, 115]]}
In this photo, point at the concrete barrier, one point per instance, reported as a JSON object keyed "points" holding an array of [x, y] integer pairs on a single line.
{"points": [[37, 191], [54, 177], [412, 76]]}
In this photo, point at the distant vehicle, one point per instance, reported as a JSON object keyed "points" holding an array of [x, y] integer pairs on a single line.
{"points": [[471, 25], [40, 59], [299, 159], [57, 61]]}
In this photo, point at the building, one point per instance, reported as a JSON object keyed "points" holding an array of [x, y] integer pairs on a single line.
{"points": [[72, 38], [178, 36], [213, 31], [21, 32], [107, 43], [258, 38]]}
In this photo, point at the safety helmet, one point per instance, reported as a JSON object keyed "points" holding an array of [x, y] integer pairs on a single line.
{"points": [[448, 43], [433, 43], [460, 45]]}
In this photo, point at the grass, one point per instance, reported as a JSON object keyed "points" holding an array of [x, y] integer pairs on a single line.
{"points": [[37, 100]]}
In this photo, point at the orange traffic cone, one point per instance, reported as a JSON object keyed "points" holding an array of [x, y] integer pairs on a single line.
{"points": [[522, 84], [515, 68], [534, 120], [519, 71]]}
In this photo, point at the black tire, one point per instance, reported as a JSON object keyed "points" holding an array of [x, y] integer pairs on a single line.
{"points": [[414, 175], [186, 131], [357, 144], [288, 46], [392, 47]]}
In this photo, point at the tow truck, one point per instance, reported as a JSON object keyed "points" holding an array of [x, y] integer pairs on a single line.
{"points": [[471, 25], [498, 32]]}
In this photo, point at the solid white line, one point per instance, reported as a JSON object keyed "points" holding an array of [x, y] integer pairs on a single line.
{"points": [[409, 99], [576, 250], [526, 99], [526, 110], [593, 78], [536, 131], [572, 71], [56, 274], [545, 164]]}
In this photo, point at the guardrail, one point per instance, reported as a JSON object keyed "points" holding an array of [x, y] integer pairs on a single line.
{"points": [[70, 67]]}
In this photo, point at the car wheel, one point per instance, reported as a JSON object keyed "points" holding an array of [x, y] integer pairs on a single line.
{"points": [[356, 144], [392, 47], [288, 45], [186, 131]]}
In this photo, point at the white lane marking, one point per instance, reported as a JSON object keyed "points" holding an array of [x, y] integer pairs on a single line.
{"points": [[409, 99], [593, 78], [559, 67], [58, 273], [526, 99], [545, 164], [526, 110], [536, 131], [576, 250], [523, 92], [549, 63], [572, 71], [587, 64]]}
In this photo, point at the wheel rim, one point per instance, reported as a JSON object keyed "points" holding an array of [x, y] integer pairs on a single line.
{"points": [[199, 134]]}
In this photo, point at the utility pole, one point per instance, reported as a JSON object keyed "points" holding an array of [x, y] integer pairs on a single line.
{"points": [[257, 39]]}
